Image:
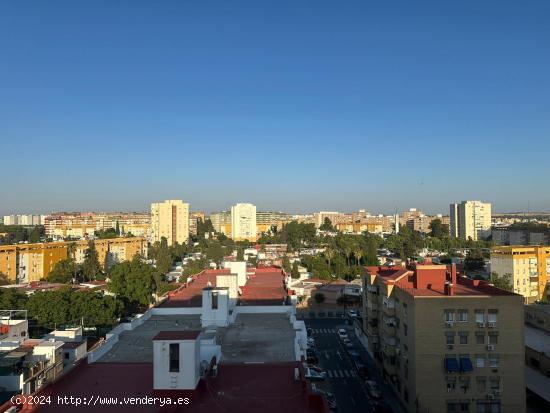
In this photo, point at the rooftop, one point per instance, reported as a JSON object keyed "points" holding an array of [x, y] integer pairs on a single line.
{"points": [[265, 286], [177, 335], [237, 388], [259, 337], [136, 346], [536, 339]]}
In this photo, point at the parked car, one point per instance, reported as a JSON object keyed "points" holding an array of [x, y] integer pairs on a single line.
{"points": [[315, 368], [311, 374], [342, 333], [354, 354], [349, 346], [353, 313], [373, 390]]}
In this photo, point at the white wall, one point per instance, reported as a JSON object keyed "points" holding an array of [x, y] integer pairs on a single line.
{"points": [[188, 375]]}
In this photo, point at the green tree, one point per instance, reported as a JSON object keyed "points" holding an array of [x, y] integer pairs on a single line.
{"points": [[503, 282], [133, 282], [474, 261], [214, 251], [11, 299], [62, 272], [319, 298], [438, 229], [4, 280], [91, 269], [327, 225], [163, 257], [295, 272], [286, 264], [240, 254]]}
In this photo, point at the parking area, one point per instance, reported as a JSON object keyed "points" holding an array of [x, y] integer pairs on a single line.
{"points": [[347, 366]]}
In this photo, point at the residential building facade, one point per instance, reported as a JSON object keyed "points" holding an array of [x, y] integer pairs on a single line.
{"points": [[527, 266], [243, 222], [170, 219], [445, 343], [470, 220]]}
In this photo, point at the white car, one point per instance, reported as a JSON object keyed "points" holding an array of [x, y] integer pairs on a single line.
{"points": [[342, 333], [312, 374]]}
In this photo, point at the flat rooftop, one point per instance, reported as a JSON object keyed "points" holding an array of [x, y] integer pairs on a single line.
{"points": [[536, 339], [259, 338], [136, 346], [237, 388], [265, 286]]}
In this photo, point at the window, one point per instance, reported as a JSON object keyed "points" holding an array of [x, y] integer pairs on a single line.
{"points": [[174, 355], [481, 384], [492, 316], [493, 361], [463, 337], [480, 360], [480, 338], [214, 300], [464, 406], [494, 383], [480, 316], [493, 338], [463, 316], [452, 407], [449, 338], [67, 356], [405, 328], [449, 316]]}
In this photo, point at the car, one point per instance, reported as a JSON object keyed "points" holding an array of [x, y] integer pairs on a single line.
{"points": [[309, 332], [349, 346], [310, 341], [315, 368], [346, 341], [354, 354], [342, 333], [353, 313], [311, 374], [372, 389]]}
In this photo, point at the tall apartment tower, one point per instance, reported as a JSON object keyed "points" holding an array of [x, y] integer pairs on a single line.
{"points": [[170, 219], [243, 222], [470, 219]]}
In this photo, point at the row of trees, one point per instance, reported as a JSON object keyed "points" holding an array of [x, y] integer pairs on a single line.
{"points": [[90, 269], [17, 233]]}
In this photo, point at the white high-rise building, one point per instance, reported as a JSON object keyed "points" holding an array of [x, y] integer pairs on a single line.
{"points": [[170, 219], [470, 219], [243, 222]]}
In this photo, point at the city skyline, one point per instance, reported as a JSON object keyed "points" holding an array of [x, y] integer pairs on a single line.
{"points": [[363, 106]]}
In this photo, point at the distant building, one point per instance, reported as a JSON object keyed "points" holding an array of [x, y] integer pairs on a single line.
{"points": [[24, 220], [194, 218], [267, 220], [470, 220], [25, 263], [520, 236], [243, 222], [527, 266], [445, 343], [170, 219], [221, 222]]}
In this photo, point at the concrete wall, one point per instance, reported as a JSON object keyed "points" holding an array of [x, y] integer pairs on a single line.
{"points": [[189, 358]]}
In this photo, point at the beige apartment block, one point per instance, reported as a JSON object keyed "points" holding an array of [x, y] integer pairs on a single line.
{"points": [[170, 219], [445, 343], [243, 222], [470, 220], [527, 266]]}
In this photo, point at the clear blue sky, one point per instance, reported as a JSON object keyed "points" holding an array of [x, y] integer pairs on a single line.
{"points": [[292, 105]]}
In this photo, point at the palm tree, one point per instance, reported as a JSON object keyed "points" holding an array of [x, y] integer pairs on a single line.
{"points": [[358, 254], [330, 253], [71, 253]]}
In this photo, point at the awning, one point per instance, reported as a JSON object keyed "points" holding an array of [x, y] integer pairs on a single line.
{"points": [[466, 364], [451, 364]]}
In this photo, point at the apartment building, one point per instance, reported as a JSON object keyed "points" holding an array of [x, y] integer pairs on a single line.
{"points": [[266, 220], [77, 225], [221, 222], [194, 218], [470, 220], [24, 263], [27, 220], [445, 343], [243, 222], [527, 266], [170, 219]]}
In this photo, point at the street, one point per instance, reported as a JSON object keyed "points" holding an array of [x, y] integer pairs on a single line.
{"points": [[342, 378]]}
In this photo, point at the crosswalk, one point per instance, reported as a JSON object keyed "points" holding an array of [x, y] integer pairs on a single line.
{"points": [[323, 330], [341, 374]]}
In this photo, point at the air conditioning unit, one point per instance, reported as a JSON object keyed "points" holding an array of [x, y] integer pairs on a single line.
{"points": [[481, 324], [491, 325], [490, 347], [449, 323], [449, 346]]}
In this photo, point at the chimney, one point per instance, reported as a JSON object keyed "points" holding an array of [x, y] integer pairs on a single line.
{"points": [[453, 273], [449, 288]]}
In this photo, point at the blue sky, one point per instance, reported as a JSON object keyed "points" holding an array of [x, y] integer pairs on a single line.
{"points": [[292, 105]]}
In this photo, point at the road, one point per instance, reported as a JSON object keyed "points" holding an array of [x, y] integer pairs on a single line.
{"points": [[342, 378]]}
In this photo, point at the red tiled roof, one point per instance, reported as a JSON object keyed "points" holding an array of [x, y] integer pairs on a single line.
{"points": [[177, 335], [265, 388], [265, 286]]}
